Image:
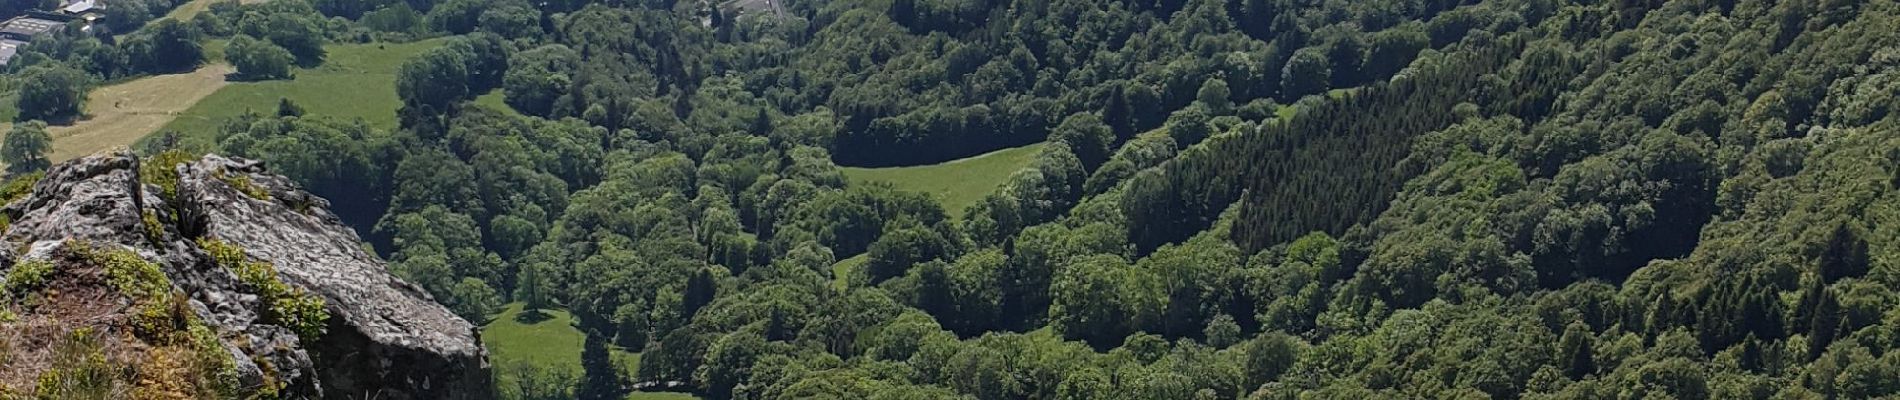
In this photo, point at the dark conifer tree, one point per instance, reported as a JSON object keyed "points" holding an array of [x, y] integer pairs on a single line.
{"points": [[600, 379], [1578, 347], [761, 123], [1845, 254], [700, 290], [1825, 325]]}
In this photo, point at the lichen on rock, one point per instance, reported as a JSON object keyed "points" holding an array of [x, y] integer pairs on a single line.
{"points": [[223, 281]]}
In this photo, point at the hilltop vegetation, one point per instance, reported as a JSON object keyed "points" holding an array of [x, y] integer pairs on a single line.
{"points": [[1371, 199]]}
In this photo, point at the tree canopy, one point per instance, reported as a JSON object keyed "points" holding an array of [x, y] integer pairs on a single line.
{"points": [[1253, 199]]}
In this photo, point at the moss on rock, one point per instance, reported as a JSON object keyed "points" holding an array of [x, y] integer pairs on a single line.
{"points": [[289, 307]]}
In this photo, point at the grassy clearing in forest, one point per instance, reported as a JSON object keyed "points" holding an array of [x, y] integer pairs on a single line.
{"points": [[354, 81], [496, 100], [842, 271], [550, 341], [957, 184]]}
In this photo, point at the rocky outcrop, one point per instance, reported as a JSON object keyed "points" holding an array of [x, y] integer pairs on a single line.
{"points": [[383, 338]]}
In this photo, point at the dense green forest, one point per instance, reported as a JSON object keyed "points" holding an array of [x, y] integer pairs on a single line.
{"points": [[1235, 199]]}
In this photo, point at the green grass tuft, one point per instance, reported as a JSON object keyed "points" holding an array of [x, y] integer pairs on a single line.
{"points": [[80, 370], [956, 184]]}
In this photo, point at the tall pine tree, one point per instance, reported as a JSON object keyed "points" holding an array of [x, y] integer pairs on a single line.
{"points": [[531, 289], [600, 380], [1845, 254], [1579, 353], [1826, 323], [699, 292]]}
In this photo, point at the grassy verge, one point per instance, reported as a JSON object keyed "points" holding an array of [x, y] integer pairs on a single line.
{"points": [[957, 183]]}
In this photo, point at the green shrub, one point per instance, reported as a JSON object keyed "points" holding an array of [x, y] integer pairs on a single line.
{"points": [[19, 186], [142, 280], [154, 230], [133, 276], [26, 275], [289, 307], [162, 171], [216, 368], [244, 185], [156, 314]]}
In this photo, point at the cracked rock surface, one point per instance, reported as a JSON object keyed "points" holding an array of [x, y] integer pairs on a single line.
{"points": [[384, 339]]}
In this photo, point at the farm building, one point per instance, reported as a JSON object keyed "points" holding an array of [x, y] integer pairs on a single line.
{"points": [[18, 31]]}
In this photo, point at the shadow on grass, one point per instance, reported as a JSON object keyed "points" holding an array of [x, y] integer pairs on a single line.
{"points": [[532, 316], [241, 77]]}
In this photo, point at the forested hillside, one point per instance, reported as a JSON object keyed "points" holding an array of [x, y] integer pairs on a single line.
{"points": [[1233, 199]]}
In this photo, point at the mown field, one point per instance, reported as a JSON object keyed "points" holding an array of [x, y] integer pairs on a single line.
{"points": [[355, 81], [549, 343], [956, 183], [184, 12], [118, 115]]}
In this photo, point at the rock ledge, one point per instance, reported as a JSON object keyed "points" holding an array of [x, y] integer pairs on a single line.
{"points": [[384, 338]]}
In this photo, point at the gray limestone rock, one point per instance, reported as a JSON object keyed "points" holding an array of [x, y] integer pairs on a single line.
{"points": [[385, 338]]}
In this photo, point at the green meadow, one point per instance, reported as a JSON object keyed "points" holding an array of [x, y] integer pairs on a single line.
{"points": [[355, 81], [957, 184], [549, 342]]}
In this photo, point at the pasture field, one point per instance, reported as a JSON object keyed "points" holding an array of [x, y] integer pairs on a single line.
{"points": [[550, 341], [355, 81], [120, 114], [957, 184]]}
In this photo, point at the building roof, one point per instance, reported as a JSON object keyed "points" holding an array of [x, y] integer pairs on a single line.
{"points": [[79, 6], [8, 49], [24, 28]]}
